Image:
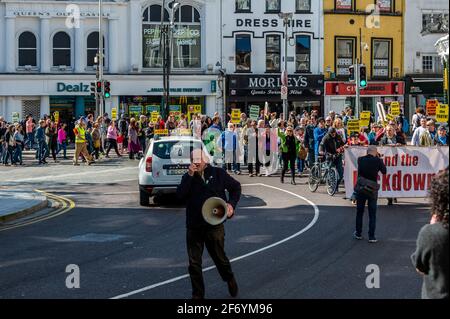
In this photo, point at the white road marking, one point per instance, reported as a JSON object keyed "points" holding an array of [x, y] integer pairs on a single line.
{"points": [[309, 226]]}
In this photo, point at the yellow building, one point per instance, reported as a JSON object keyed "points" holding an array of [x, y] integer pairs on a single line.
{"points": [[369, 32]]}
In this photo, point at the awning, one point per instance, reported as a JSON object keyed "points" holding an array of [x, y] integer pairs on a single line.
{"points": [[243, 44]]}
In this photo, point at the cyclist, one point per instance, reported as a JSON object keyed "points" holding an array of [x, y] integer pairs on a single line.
{"points": [[332, 147]]}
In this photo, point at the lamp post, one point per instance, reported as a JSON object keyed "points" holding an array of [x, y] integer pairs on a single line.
{"points": [[286, 18], [442, 49], [100, 58]]}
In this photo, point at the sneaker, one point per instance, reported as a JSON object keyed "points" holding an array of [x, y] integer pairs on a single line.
{"points": [[357, 236], [76, 164], [251, 175], [373, 240], [233, 287]]}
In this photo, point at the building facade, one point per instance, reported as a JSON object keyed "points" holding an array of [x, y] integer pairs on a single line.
{"points": [[426, 22], [369, 32], [48, 47], [253, 52]]}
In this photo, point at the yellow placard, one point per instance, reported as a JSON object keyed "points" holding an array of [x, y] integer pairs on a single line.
{"points": [[390, 117], [184, 132], [154, 117], [114, 113], [235, 116], [163, 132], [353, 126], [193, 109], [442, 113], [364, 119], [395, 108], [56, 116]]}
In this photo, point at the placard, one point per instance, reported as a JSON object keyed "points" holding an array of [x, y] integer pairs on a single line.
{"points": [[154, 117], [442, 113], [364, 119], [175, 110], [163, 132], [395, 108], [235, 116], [15, 117], [113, 114], [56, 116], [353, 126], [432, 106], [254, 112]]}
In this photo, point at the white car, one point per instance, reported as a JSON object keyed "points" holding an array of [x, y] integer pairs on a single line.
{"points": [[167, 159]]}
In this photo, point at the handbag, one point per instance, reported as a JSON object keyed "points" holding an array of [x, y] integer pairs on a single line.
{"points": [[303, 153], [367, 187]]}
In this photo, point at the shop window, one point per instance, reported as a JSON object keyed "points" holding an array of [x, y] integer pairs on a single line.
{"points": [[435, 23], [61, 49], [303, 5], [303, 53], [432, 64], [92, 49], [345, 49], [186, 48], [385, 5], [243, 5], [273, 6], [243, 53], [273, 53], [343, 5], [381, 58], [27, 49]]}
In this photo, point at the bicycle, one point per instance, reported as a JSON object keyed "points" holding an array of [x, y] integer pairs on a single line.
{"points": [[324, 171]]}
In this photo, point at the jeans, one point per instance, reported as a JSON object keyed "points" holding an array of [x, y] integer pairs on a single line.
{"points": [[340, 168], [18, 154], [360, 205], [142, 141], [311, 156], [214, 240], [30, 140], [300, 165], [62, 146], [8, 152], [42, 151]]}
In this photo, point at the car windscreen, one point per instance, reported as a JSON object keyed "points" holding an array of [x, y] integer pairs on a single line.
{"points": [[175, 149]]}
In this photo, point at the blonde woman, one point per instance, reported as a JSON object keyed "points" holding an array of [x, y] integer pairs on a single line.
{"points": [[340, 130]]}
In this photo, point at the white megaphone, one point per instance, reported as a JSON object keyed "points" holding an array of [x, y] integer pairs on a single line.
{"points": [[214, 211]]}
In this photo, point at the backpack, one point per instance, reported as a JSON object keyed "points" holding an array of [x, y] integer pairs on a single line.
{"points": [[405, 126], [417, 121]]}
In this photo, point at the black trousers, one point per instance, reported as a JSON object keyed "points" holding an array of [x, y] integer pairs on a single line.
{"points": [[214, 240], [288, 158], [112, 143]]}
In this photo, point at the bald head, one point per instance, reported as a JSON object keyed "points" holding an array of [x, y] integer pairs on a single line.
{"points": [[200, 159], [372, 150]]}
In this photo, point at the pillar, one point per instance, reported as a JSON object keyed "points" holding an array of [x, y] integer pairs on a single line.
{"points": [[10, 45], [45, 105], [113, 40], [80, 48], [44, 49]]}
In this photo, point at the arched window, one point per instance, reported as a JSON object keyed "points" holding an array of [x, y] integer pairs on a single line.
{"points": [[27, 49], [186, 44], [61, 49], [92, 48]]}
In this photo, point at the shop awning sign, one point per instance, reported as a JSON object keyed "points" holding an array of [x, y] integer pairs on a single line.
{"points": [[442, 113]]}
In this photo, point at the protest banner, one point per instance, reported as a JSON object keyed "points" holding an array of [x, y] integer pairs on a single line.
{"points": [[409, 169]]}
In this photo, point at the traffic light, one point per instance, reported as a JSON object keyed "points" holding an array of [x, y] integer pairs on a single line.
{"points": [[93, 89], [351, 69], [107, 88], [362, 76], [99, 86]]}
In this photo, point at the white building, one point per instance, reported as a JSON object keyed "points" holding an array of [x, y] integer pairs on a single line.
{"points": [[47, 59], [253, 52], [425, 22]]}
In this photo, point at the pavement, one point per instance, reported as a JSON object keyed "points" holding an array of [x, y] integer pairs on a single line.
{"points": [[17, 203]]}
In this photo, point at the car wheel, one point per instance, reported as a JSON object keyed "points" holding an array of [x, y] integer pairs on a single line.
{"points": [[144, 198]]}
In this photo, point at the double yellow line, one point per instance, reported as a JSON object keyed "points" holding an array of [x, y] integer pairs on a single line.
{"points": [[65, 204]]}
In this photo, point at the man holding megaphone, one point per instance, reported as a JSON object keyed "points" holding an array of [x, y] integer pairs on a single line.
{"points": [[207, 208]]}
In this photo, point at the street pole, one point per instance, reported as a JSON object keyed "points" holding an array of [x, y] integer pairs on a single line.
{"points": [[100, 55], [285, 101], [357, 79]]}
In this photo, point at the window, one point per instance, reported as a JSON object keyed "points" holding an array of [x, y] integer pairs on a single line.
{"points": [[61, 49], [432, 64], [385, 5], [345, 49], [435, 23], [344, 5], [273, 6], [92, 48], [381, 52], [186, 45], [27, 49], [243, 5], [303, 53], [273, 54], [243, 53], [303, 5]]}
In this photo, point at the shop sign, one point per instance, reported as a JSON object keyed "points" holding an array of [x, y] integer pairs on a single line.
{"points": [[353, 126], [175, 110], [67, 13], [213, 86], [254, 112], [373, 88], [176, 90], [79, 87], [364, 119], [395, 108], [235, 116], [153, 108], [193, 109], [442, 113], [431, 107], [135, 110]]}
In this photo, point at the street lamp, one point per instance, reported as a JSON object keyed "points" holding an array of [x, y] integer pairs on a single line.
{"points": [[286, 18]]}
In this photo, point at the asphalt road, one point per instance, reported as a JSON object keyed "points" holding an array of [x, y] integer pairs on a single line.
{"points": [[285, 242]]}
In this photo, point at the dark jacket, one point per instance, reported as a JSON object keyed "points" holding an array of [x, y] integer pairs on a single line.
{"points": [[331, 144], [437, 141], [196, 191], [309, 137], [369, 166]]}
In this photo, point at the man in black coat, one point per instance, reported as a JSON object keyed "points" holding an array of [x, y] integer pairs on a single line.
{"points": [[368, 168], [200, 183]]}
